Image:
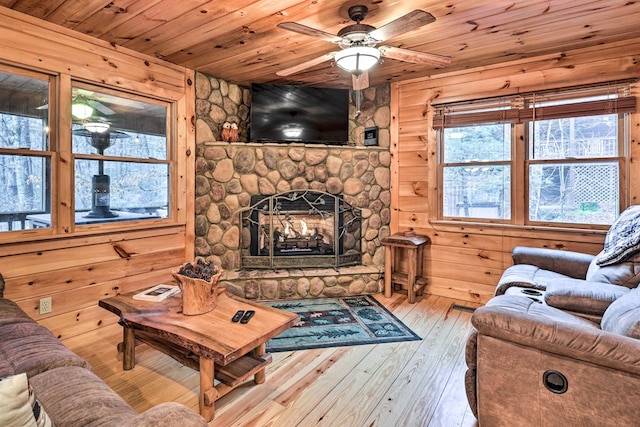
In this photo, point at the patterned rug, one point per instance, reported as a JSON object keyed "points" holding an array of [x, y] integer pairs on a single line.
{"points": [[336, 322]]}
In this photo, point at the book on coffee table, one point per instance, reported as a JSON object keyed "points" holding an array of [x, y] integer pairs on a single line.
{"points": [[157, 293]]}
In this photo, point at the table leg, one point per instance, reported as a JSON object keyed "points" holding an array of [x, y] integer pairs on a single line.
{"points": [[420, 268], [128, 348], [388, 270], [207, 399], [260, 351], [411, 278]]}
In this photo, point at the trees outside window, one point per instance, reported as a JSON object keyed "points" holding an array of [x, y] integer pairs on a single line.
{"points": [[25, 159], [574, 170], [476, 172]]}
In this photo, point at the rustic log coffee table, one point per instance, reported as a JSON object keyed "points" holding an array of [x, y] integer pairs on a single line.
{"points": [[211, 343]]}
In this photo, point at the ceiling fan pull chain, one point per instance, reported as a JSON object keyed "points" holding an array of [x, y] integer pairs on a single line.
{"points": [[356, 94]]}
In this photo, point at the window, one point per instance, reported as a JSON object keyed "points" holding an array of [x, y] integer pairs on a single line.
{"points": [[476, 171], [565, 150], [121, 157], [25, 156], [574, 170], [120, 146]]}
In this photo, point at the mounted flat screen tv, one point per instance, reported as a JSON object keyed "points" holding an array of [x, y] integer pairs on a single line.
{"points": [[282, 113]]}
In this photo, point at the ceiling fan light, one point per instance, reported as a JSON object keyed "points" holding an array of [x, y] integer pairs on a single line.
{"points": [[81, 111], [292, 131], [357, 59], [96, 127]]}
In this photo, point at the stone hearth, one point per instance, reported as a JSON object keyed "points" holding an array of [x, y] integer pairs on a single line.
{"points": [[304, 283]]}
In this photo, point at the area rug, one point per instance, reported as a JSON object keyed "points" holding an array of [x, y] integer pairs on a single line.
{"points": [[337, 322]]}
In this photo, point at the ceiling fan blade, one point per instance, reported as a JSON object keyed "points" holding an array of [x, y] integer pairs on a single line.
{"points": [[297, 68], [100, 107], [404, 24], [308, 31], [360, 82], [414, 56]]}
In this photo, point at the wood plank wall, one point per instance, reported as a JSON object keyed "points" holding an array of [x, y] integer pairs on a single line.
{"points": [[79, 268], [466, 262]]}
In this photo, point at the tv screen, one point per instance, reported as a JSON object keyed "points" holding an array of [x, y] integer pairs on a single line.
{"points": [[282, 113]]}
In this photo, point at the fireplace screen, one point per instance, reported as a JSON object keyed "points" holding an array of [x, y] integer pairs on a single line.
{"points": [[300, 229]]}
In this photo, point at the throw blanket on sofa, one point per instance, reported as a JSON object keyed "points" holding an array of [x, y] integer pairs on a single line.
{"points": [[623, 238]]}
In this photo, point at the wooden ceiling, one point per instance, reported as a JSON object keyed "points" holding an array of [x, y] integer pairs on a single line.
{"points": [[238, 40]]}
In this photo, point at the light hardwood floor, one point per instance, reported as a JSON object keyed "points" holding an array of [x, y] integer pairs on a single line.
{"points": [[417, 383]]}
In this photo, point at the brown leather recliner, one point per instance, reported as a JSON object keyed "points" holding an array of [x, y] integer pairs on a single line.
{"points": [[530, 364], [559, 344]]}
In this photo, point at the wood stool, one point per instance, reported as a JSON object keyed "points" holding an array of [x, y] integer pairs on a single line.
{"points": [[413, 280]]}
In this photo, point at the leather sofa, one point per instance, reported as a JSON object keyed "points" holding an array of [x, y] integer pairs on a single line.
{"points": [[530, 364], [559, 344], [64, 384], [580, 283]]}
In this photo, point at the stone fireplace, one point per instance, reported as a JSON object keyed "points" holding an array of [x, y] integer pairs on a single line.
{"points": [[299, 229], [242, 188], [233, 177]]}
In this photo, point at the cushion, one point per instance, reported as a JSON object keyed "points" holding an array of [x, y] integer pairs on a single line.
{"points": [[625, 273], [623, 238], [10, 312], [19, 404], [75, 396], [581, 296], [623, 315], [31, 348]]}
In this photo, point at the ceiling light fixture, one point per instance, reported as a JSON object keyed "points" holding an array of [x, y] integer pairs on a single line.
{"points": [[357, 59], [96, 126], [81, 110], [292, 131]]}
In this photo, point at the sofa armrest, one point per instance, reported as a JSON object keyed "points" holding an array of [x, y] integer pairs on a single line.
{"points": [[169, 414], [527, 323], [568, 263]]}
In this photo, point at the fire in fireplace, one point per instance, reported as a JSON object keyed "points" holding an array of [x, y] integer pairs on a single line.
{"points": [[300, 229]]}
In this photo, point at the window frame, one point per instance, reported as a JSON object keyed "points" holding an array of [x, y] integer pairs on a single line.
{"points": [[621, 159], [519, 115]]}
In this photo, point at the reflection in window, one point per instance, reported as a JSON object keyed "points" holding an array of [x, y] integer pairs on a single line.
{"points": [[122, 166], [141, 188]]}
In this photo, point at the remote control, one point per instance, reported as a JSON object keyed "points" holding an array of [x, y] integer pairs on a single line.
{"points": [[236, 317], [247, 316]]}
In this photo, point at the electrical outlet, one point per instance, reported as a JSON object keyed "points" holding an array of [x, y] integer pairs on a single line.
{"points": [[45, 305]]}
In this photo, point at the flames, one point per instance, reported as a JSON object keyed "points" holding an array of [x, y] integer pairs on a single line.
{"points": [[290, 232]]}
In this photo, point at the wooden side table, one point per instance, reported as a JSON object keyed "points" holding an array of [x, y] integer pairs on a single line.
{"points": [[413, 280]]}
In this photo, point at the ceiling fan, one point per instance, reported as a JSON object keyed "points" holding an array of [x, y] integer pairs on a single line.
{"points": [[97, 101], [358, 44]]}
